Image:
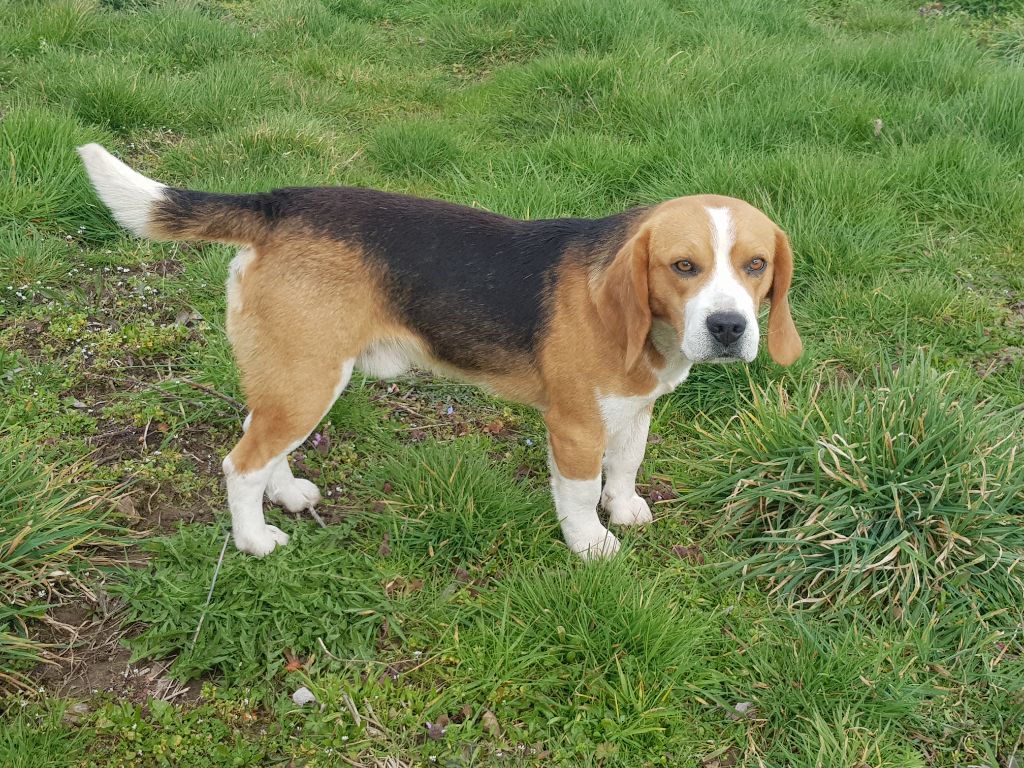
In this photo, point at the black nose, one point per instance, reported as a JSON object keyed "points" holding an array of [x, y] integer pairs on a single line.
{"points": [[726, 327]]}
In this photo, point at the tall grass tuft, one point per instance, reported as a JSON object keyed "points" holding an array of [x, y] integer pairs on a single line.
{"points": [[461, 505], [623, 651], [47, 519], [898, 491]]}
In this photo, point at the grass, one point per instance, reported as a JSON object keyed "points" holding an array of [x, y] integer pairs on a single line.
{"points": [[899, 491], [834, 575], [50, 521]]}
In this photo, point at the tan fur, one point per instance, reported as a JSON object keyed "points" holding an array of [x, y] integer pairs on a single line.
{"points": [[290, 355], [576, 360], [784, 344], [621, 297]]}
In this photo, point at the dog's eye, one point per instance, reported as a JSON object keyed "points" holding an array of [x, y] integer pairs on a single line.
{"points": [[757, 264], [684, 267]]}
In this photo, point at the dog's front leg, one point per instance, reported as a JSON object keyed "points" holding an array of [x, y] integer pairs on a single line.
{"points": [[575, 447], [627, 422]]}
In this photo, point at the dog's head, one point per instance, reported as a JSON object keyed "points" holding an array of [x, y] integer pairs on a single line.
{"points": [[702, 266]]}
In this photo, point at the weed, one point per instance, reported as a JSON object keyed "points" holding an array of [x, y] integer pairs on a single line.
{"points": [[901, 492]]}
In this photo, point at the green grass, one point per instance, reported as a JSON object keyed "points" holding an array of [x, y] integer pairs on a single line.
{"points": [[842, 552], [899, 492], [37, 737], [50, 520]]}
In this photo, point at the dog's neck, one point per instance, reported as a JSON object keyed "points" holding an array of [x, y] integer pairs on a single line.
{"points": [[676, 365]]}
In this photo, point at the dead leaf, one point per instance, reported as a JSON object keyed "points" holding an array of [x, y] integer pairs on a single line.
{"points": [[490, 724], [402, 586], [187, 317], [384, 640], [660, 491], [385, 545], [126, 506], [727, 760], [690, 554]]}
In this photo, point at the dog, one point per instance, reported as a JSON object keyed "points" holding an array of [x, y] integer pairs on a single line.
{"points": [[588, 320]]}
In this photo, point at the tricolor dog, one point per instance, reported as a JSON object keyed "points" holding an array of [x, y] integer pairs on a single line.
{"points": [[589, 320]]}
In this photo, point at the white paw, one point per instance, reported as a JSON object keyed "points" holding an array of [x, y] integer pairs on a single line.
{"points": [[260, 541], [296, 496], [594, 545], [628, 511]]}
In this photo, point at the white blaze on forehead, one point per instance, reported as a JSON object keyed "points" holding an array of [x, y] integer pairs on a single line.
{"points": [[723, 237], [724, 290]]}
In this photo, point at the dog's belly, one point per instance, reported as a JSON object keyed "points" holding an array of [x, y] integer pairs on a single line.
{"points": [[388, 358]]}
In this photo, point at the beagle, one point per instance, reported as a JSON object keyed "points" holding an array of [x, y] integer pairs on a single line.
{"points": [[589, 320]]}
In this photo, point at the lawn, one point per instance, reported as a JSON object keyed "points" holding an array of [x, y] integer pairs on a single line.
{"points": [[835, 576]]}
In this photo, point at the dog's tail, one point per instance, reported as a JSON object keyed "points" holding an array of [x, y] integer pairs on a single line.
{"points": [[150, 209]]}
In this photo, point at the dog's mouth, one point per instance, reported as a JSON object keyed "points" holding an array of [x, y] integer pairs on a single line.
{"points": [[733, 353]]}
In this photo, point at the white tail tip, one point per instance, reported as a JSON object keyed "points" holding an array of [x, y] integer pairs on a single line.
{"points": [[129, 195]]}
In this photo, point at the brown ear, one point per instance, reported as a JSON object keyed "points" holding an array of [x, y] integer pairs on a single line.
{"points": [[621, 299], [784, 343]]}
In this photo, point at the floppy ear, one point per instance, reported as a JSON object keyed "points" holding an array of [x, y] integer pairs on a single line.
{"points": [[621, 299], [784, 343]]}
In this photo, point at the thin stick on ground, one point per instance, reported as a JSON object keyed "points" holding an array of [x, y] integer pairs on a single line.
{"points": [[209, 595]]}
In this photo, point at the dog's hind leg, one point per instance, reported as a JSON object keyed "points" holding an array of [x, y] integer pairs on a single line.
{"points": [[281, 418], [294, 361], [293, 493]]}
